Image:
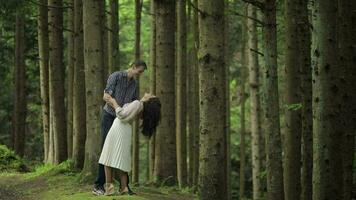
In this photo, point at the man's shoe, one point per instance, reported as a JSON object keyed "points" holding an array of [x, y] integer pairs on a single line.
{"points": [[98, 190]]}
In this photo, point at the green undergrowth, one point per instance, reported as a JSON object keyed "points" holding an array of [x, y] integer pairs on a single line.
{"points": [[62, 182]]}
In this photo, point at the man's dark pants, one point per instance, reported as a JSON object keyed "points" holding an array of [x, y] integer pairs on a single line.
{"points": [[106, 123]]}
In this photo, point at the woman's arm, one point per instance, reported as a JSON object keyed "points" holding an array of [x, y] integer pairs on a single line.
{"points": [[111, 101]]}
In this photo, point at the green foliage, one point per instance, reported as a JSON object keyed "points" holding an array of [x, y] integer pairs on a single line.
{"points": [[293, 107], [10, 162]]}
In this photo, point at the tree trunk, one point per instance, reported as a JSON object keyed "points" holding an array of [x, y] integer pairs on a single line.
{"points": [[195, 97], [254, 85], [93, 61], [153, 83], [136, 135], [271, 105], [306, 100], [70, 76], [43, 46], [56, 80], [347, 46], [212, 81], [20, 103], [190, 124], [104, 41], [79, 109], [181, 93], [114, 37], [327, 92], [165, 151], [292, 135], [242, 97]]}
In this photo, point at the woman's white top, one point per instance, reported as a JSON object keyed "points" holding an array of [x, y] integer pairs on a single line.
{"points": [[116, 151]]}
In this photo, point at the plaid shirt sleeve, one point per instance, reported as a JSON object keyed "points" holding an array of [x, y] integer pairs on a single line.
{"points": [[111, 83]]}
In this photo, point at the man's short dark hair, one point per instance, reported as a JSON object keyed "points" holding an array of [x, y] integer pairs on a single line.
{"points": [[139, 63]]}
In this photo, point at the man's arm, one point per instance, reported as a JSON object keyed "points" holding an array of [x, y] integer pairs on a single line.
{"points": [[110, 87], [110, 101]]}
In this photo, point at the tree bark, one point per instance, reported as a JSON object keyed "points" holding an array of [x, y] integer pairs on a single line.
{"points": [[254, 86], [306, 101], [93, 61], [114, 37], [212, 83], [271, 105], [242, 96], [20, 103], [70, 77], [327, 103], [153, 83], [56, 80], [181, 93], [292, 135], [165, 151], [347, 46], [43, 46], [79, 101], [136, 135]]}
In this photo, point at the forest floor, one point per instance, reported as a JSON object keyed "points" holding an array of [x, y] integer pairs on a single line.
{"points": [[48, 184]]}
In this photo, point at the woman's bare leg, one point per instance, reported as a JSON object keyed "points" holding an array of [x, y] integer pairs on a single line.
{"points": [[123, 180], [108, 174]]}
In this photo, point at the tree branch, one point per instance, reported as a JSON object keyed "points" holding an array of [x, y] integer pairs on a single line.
{"points": [[48, 6], [256, 51]]}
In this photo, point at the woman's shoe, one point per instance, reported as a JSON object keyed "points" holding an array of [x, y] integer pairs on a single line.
{"points": [[124, 192], [109, 189]]}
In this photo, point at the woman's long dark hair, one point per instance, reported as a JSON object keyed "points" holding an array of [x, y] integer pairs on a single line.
{"points": [[151, 116]]}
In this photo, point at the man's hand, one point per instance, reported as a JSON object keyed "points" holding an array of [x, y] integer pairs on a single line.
{"points": [[110, 101]]}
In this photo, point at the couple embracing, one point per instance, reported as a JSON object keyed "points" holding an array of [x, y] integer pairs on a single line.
{"points": [[121, 108]]}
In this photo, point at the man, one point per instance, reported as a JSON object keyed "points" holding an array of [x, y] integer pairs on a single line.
{"points": [[122, 86]]}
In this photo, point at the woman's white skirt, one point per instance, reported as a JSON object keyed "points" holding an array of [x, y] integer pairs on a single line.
{"points": [[116, 151]]}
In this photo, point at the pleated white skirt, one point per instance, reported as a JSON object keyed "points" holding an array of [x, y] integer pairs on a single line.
{"points": [[116, 151]]}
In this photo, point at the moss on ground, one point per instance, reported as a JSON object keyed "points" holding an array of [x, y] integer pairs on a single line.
{"points": [[61, 183]]}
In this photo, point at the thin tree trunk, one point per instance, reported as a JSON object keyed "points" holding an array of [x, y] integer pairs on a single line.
{"points": [[153, 83], [254, 85], [79, 101], [242, 96], [327, 104], [165, 149], [212, 82], [20, 103], [181, 93], [195, 97], [93, 61], [56, 80], [306, 100], [104, 41], [136, 136], [292, 135], [271, 105], [114, 37], [43, 46], [190, 124], [70, 72]]}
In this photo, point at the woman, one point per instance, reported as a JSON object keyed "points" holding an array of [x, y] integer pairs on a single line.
{"points": [[116, 151]]}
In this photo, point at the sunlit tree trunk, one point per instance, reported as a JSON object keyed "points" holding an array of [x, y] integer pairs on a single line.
{"points": [[43, 49]]}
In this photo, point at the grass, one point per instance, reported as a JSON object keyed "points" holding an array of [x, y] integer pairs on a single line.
{"points": [[60, 182]]}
